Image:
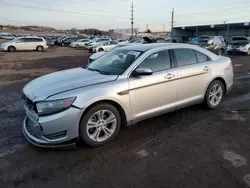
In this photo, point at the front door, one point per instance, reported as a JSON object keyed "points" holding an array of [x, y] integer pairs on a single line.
{"points": [[193, 75], [20, 44], [154, 94]]}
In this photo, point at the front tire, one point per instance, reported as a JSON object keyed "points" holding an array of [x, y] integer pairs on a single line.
{"points": [[100, 125], [100, 50], [214, 94], [11, 49], [77, 46]]}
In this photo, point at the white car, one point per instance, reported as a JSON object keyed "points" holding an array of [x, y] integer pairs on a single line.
{"points": [[96, 41], [25, 43], [97, 55], [79, 43], [105, 46], [239, 45]]}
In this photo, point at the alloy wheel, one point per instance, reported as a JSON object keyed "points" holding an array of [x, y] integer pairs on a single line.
{"points": [[101, 125], [215, 94]]}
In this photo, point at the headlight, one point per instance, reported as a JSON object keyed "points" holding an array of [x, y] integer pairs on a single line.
{"points": [[51, 107]]}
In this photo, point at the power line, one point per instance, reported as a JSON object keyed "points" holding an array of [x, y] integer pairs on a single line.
{"points": [[55, 10], [79, 6], [67, 11], [120, 5]]}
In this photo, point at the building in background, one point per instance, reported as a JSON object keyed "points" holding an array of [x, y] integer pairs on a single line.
{"points": [[227, 30], [126, 31]]}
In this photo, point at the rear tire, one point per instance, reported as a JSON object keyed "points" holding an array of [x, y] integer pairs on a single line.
{"points": [[62, 44], [77, 46], [91, 123], [229, 53], [39, 48], [100, 50], [214, 94], [11, 49]]}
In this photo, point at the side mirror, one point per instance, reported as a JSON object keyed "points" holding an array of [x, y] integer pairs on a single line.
{"points": [[142, 72]]}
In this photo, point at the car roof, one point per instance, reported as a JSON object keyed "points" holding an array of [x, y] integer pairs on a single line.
{"points": [[166, 46], [146, 47], [31, 37]]}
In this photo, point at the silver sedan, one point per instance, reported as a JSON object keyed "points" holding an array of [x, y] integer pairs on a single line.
{"points": [[122, 87]]}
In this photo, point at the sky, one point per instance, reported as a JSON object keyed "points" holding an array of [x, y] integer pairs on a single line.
{"points": [[114, 14]]}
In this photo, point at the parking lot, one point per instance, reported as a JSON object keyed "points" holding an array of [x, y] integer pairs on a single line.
{"points": [[193, 147]]}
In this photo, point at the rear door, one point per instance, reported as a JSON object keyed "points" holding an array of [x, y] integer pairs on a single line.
{"points": [[193, 72], [28, 44]]}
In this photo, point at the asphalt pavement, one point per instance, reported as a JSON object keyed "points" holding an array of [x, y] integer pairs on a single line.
{"points": [[193, 147]]}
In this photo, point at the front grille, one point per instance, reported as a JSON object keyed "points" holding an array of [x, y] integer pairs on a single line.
{"points": [[29, 103], [33, 129]]}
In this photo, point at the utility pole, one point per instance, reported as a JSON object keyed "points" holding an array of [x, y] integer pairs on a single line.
{"points": [[163, 28], [172, 24], [132, 19]]}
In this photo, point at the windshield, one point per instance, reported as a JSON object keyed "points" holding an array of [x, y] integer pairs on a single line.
{"points": [[115, 62]]}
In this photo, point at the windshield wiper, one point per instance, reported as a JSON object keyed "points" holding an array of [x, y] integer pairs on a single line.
{"points": [[101, 72]]}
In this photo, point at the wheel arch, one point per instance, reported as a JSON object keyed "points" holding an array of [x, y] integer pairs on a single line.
{"points": [[112, 102], [11, 46], [220, 79]]}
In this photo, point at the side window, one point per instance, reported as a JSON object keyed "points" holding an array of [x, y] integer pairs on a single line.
{"points": [[113, 42], [28, 40], [157, 61], [201, 57], [20, 40], [39, 40], [185, 57]]}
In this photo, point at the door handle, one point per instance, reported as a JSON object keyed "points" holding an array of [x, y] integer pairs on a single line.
{"points": [[169, 76], [206, 68]]}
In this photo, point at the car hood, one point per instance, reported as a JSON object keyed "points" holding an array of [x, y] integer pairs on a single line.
{"points": [[97, 55], [54, 83]]}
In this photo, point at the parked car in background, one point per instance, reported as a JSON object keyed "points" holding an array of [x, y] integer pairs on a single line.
{"points": [[68, 40], [7, 36], [25, 43], [50, 41], [97, 55], [96, 41], [103, 46], [215, 44], [239, 44], [79, 43], [122, 41], [59, 40], [93, 103], [143, 40]]}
